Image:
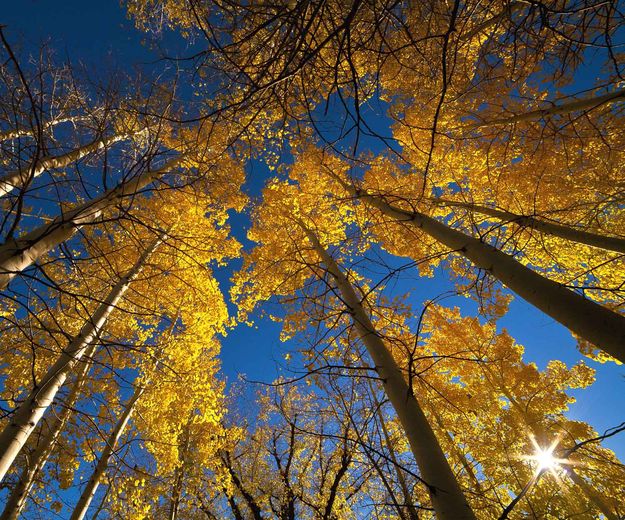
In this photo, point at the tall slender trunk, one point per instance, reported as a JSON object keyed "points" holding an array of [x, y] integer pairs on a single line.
{"points": [[18, 253], [99, 472], [586, 103], [446, 495], [413, 514], [550, 228], [111, 442], [174, 503], [589, 320], [38, 458], [20, 178], [27, 416], [21, 131], [592, 495]]}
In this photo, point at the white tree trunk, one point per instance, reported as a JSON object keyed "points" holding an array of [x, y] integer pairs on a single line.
{"points": [[15, 133], [39, 457], [589, 320], [19, 253], [544, 226], [563, 108], [20, 178], [408, 504], [447, 497], [111, 442], [27, 416]]}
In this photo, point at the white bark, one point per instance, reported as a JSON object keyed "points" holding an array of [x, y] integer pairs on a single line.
{"points": [[573, 234], [20, 178], [19, 253], [39, 457], [589, 320], [28, 414], [111, 442], [447, 497], [592, 495], [413, 514], [99, 471], [21, 131], [586, 103]]}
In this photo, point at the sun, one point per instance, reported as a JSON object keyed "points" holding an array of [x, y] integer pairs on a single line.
{"points": [[544, 457]]}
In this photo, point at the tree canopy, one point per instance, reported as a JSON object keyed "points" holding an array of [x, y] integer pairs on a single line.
{"points": [[384, 180]]}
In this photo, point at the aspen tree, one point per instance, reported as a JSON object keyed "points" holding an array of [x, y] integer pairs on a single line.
{"points": [[445, 493], [602, 327], [20, 179], [90, 489], [508, 401], [17, 254], [542, 225], [37, 460], [16, 133], [291, 204], [27, 415]]}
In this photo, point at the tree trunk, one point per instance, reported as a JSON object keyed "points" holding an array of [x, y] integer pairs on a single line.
{"points": [[573, 234], [174, 503], [589, 320], [27, 416], [37, 460], [592, 495], [111, 443], [564, 108], [20, 178], [456, 451], [92, 486], [14, 133], [413, 514], [19, 253], [447, 498]]}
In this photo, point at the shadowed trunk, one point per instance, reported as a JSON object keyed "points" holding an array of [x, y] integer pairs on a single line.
{"points": [[589, 320], [446, 495], [28, 414], [19, 253]]}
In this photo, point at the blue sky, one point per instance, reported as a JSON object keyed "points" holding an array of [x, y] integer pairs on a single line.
{"points": [[97, 35]]}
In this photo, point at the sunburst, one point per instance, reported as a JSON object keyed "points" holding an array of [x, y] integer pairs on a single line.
{"points": [[545, 460]]}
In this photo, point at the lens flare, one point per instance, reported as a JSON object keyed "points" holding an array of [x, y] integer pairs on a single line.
{"points": [[545, 459]]}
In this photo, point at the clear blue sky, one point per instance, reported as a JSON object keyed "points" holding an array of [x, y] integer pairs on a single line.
{"points": [[98, 35]]}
